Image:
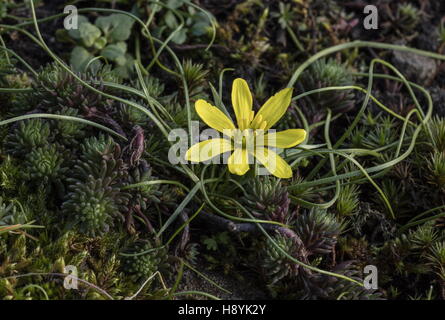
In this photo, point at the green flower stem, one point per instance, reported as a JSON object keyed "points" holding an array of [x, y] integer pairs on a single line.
{"points": [[295, 38], [205, 277], [341, 88], [211, 19], [357, 118], [358, 44], [15, 90], [26, 64], [155, 182], [2, 42], [184, 225], [61, 117]]}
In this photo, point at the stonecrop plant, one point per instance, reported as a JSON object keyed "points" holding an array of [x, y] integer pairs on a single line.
{"points": [[328, 166]]}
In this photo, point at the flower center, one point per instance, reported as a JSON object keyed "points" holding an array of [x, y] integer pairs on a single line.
{"points": [[248, 139], [258, 123]]}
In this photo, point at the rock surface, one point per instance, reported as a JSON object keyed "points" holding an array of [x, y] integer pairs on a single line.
{"points": [[416, 68]]}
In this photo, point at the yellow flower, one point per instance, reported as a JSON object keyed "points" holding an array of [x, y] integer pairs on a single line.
{"points": [[251, 138]]}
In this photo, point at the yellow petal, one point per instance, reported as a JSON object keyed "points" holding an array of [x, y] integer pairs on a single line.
{"points": [[285, 139], [239, 162], [274, 108], [212, 116], [242, 102], [274, 163], [208, 149]]}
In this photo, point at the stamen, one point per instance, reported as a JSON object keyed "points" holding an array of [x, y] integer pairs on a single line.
{"points": [[241, 124], [257, 121], [263, 125], [229, 132], [237, 138]]}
